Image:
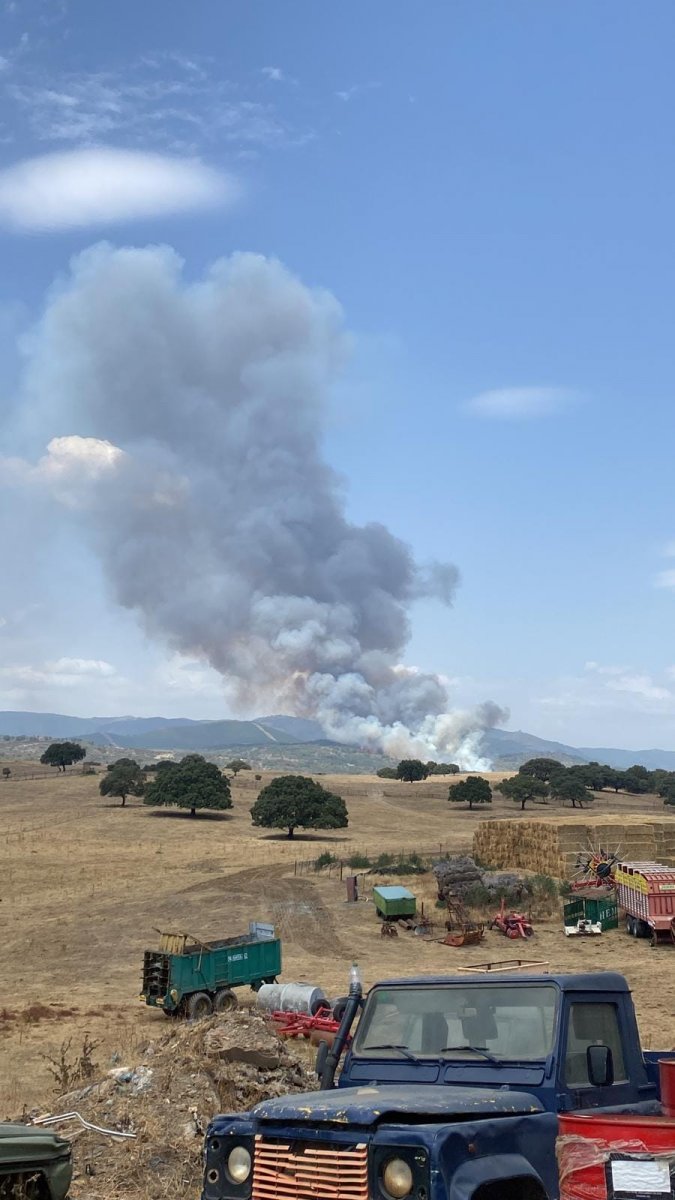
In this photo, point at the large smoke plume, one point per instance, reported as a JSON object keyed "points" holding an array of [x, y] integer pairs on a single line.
{"points": [[184, 424]]}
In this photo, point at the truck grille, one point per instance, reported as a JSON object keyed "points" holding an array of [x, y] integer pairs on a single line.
{"points": [[301, 1171]]}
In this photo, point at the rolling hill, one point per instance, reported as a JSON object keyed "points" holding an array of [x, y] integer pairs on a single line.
{"points": [[505, 748]]}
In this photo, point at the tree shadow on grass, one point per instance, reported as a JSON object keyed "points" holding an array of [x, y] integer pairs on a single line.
{"points": [[314, 837], [184, 814]]}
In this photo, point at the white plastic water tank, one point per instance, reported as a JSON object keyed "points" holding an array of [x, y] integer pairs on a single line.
{"points": [[291, 997]]}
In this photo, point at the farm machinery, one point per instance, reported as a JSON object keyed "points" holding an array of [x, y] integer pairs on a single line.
{"points": [[462, 929], [511, 924], [187, 977], [645, 891]]}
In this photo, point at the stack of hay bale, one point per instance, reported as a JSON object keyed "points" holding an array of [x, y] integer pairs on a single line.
{"points": [[551, 847]]}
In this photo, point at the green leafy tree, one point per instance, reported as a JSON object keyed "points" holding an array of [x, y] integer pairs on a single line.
{"points": [[123, 778], [669, 794], [387, 773], [443, 769], [296, 802], [6, 772], [541, 768], [191, 783], [236, 765], [521, 788], [594, 775], [567, 787], [411, 770], [472, 790], [665, 785], [636, 780], [63, 754]]}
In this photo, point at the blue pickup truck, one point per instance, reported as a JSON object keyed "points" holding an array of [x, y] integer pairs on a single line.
{"points": [[450, 1090]]}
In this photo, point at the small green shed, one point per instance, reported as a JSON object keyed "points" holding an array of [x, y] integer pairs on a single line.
{"points": [[394, 902]]}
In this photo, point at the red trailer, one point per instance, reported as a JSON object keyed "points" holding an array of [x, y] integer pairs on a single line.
{"points": [[646, 891]]}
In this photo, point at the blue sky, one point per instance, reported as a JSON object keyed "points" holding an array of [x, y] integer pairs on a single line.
{"points": [[487, 189]]}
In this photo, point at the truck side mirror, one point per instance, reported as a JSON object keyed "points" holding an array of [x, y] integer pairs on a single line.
{"points": [[600, 1066], [321, 1056]]}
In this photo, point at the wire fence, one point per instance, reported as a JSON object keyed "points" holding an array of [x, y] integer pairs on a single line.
{"points": [[378, 858]]}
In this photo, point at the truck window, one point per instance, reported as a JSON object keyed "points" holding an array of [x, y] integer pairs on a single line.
{"points": [[509, 1022], [592, 1025]]}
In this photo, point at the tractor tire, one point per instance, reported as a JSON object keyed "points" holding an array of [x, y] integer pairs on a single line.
{"points": [[199, 1005], [225, 1000]]}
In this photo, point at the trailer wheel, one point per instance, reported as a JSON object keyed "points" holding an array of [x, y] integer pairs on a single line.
{"points": [[225, 1000], [629, 925], [198, 1006], [339, 1008], [643, 929]]}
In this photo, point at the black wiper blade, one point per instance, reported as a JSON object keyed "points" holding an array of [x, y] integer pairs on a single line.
{"points": [[393, 1046], [482, 1050]]}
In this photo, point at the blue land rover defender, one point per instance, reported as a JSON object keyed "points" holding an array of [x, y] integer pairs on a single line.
{"points": [[449, 1090]]}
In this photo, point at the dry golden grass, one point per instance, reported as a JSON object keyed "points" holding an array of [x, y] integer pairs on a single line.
{"points": [[84, 883]]}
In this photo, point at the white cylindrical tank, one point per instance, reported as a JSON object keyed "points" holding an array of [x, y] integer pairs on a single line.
{"points": [[291, 997]]}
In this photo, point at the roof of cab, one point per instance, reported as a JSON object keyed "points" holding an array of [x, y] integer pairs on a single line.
{"points": [[599, 981]]}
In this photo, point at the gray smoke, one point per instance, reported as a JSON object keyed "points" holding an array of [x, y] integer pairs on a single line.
{"points": [[197, 465]]}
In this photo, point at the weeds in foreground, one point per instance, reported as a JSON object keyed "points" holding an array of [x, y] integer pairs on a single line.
{"points": [[70, 1067]]}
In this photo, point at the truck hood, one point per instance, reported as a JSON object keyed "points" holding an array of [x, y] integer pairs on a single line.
{"points": [[23, 1143], [402, 1103]]}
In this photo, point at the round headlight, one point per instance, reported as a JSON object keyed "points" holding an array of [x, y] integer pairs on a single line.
{"points": [[239, 1164], [397, 1178]]}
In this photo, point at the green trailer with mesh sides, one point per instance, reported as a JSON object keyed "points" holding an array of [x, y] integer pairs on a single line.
{"points": [[186, 977]]}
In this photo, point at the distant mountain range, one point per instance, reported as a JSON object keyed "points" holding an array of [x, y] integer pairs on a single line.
{"points": [[505, 748], [509, 748], [163, 733]]}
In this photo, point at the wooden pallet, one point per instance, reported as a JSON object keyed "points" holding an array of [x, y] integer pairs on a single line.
{"points": [[507, 964]]}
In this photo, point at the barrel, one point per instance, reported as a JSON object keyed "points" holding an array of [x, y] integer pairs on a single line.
{"points": [[667, 1078], [587, 1141], [291, 997]]}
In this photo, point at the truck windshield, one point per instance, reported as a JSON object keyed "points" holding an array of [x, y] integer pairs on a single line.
{"points": [[451, 1021]]}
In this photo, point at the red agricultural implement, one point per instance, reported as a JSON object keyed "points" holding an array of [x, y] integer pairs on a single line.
{"points": [[513, 924], [296, 1025]]}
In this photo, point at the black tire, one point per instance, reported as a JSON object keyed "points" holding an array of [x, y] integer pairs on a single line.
{"points": [[339, 1008], [643, 929], [199, 1006], [629, 924], [225, 1000]]}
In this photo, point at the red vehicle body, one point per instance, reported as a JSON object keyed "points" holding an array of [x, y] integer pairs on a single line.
{"points": [[646, 890]]}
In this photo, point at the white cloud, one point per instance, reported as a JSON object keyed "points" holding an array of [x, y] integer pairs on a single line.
{"points": [[274, 74], [102, 185], [162, 100], [666, 579], [356, 89], [63, 673], [611, 688], [519, 403], [96, 667], [68, 467]]}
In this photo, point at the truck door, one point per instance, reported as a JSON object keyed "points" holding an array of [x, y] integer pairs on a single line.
{"points": [[592, 1022]]}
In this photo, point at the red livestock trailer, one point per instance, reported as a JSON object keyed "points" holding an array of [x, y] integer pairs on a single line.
{"points": [[646, 891]]}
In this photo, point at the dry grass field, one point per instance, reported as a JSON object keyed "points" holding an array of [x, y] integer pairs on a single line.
{"points": [[84, 884]]}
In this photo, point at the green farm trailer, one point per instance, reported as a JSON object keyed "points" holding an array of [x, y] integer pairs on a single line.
{"points": [[193, 979], [394, 903]]}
